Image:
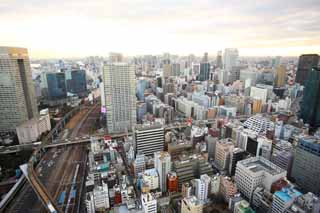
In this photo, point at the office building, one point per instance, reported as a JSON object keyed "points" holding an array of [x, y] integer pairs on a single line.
{"points": [[101, 197], [162, 163], [120, 97], [281, 76], [258, 124], [256, 171], [282, 200], [149, 139], [306, 163], [230, 58], [76, 82], [219, 60], [306, 62], [204, 71], [224, 148], [167, 69], [310, 105], [191, 205], [283, 159], [139, 164], [149, 203], [202, 187], [53, 85], [236, 155], [176, 69], [17, 96]]}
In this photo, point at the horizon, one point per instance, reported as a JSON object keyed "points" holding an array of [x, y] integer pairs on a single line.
{"points": [[79, 28]]}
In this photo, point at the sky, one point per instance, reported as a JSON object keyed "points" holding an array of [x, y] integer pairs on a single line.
{"points": [[77, 28]]}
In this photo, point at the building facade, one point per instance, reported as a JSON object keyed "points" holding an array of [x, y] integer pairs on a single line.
{"points": [[120, 97], [17, 94]]}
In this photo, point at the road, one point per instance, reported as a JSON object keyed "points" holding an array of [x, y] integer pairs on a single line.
{"points": [[56, 171]]}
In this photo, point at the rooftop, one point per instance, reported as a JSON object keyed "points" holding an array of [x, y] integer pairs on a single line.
{"points": [[257, 164], [287, 194]]}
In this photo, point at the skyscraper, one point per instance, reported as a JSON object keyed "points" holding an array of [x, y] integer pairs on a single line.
{"points": [[204, 71], [310, 105], [306, 163], [53, 85], [17, 95], [230, 58], [119, 91], [76, 82], [306, 62], [219, 59], [162, 163], [281, 75]]}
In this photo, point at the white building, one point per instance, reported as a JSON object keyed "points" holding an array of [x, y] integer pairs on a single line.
{"points": [[120, 96], [191, 205], [101, 197], [151, 178], [256, 171], [149, 203], [30, 131], [215, 184], [259, 93], [162, 163], [230, 58]]}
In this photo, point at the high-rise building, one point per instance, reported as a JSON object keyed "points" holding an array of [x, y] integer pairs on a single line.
{"points": [[205, 57], [219, 60], [191, 205], [17, 96], [256, 171], [310, 105], [224, 148], [176, 69], [149, 139], [306, 62], [115, 57], [76, 82], [281, 76], [120, 97], [162, 163], [306, 163], [204, 71], [167, 69], [236, 155], [230, 58]]}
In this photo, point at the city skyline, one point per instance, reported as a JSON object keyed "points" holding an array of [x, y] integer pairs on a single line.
{"points": [[80, 28]]}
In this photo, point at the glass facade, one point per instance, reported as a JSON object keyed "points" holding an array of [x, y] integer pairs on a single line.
{"points": [[76, 82]]}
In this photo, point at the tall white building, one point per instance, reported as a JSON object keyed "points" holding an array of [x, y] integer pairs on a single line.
{"points": [[162, 163], [17, 94], [256, 171], [149, 203], [230, 58], [120, 98]]}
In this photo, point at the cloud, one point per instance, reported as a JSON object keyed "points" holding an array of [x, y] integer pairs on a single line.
{"points": [[80, 27]]}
